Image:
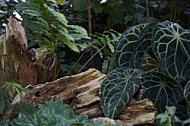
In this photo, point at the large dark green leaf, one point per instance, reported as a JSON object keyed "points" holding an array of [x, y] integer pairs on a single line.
{"points": [[126, 45], [150, 64], [118, 88], [187, 92], [161, 89], [143, 46], [172, 48]]}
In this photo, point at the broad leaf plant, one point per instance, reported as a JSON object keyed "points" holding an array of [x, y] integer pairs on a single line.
{"points": [[153, 57]]}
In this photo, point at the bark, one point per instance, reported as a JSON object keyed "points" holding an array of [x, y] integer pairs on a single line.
{"points": [[18, 64], [15, 65]]}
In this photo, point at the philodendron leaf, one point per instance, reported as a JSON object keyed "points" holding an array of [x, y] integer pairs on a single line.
{"points": [[118, 88], [126, 45], [187, 92], [162, 90], [171, 46]]}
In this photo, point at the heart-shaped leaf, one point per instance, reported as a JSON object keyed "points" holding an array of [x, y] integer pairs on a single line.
{"points": [[150, 64], [126, 45], [117, 89], [187, 92], [162, 90], [142, 46], [171, 46]]}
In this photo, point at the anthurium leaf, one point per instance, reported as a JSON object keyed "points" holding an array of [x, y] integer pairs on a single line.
{"points": [[126, 45], [181, 112], [187, 92], [118, 88], [143, 46], [150, 64], [162, 90], [171, 47]]}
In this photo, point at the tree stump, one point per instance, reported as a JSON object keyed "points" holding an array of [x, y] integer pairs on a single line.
{"points": [[15, 65]]}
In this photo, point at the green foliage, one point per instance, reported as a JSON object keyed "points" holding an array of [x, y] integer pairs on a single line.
{"points": [[51, 113], [8, 91], [50, 28], [161, 89], [127, 42], [104, 44], [6, 9], [162, 50], [61, 2], [115, 96], [115, 14], [187, 92], [169, 118]]}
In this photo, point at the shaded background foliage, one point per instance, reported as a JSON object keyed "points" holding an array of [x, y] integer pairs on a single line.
{"points": [[112, 14]]}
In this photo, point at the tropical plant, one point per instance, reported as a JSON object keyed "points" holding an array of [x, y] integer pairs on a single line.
{"points": [[104, 44], [169, 118], [52, 113], [49, 28], [153, 57], [7, 92]]}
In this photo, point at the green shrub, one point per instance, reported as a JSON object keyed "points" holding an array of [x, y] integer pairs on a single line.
{"points": [[52, 113]]}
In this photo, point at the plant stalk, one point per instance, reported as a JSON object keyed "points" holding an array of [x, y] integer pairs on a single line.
{"points": [[90, 30], [147, 13]]}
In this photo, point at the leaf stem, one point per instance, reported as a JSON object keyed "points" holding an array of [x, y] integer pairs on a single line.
{"points": [[147, 13]]}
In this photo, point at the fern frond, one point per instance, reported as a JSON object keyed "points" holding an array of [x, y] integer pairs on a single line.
{"points": [[48, 27], [108, 39]]}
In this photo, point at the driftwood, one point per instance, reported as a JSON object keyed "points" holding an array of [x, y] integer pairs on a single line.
{"points": [[81, 92]]}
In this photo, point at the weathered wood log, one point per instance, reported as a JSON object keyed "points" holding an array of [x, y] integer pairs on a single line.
{"points": [[81, 92], [15, 60], [14, 63]]}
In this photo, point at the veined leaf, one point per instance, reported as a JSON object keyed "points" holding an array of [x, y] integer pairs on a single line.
{"points": [[162, 90], [143, 46], [187, 92], [171, 46], [150, 64], [126, 45], [118, 88]]}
